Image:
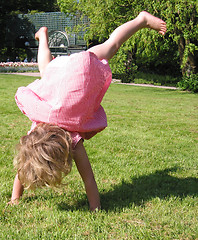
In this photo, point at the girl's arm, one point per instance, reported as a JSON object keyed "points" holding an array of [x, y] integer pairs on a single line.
{"points": [[17, 191], [85, 170]]}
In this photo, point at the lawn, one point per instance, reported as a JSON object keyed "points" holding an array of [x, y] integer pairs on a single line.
{"points": [[145, 164]]}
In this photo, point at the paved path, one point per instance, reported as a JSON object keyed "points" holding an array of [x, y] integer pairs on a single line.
{"points": [[144, 85], [37, 74], [34, 74], [149, 85]]}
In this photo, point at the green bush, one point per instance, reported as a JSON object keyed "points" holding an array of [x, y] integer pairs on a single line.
{"points": [[11, 53], [156, 79], [147, 78], [123, 66], [129, 75], [189, 83]]}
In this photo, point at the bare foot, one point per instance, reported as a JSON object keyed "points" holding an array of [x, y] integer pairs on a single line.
{"points": [[43, 31], [153, 22]]}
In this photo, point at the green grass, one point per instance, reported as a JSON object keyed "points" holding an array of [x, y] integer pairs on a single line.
{"points": [[145, 164]]}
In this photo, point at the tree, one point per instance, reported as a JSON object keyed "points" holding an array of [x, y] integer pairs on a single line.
{"points": [[22, 6], [181, 17]]}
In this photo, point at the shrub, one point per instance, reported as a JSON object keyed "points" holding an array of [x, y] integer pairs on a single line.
{"points": [[189, 83], [11, 53], [156, 79]]}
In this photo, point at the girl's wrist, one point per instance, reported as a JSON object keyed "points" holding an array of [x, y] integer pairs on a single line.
{"points": [[15, 198], [13, 201]]}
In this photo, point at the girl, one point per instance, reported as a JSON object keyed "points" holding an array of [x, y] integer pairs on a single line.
{"points": [[64, 107]]}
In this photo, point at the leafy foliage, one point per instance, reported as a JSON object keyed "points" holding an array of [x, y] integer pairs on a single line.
{"points": [[148, 50], [182, 22], [189, 83]]}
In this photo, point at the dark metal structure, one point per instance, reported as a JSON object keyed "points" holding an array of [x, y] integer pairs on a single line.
{"points": [[63, 39]]}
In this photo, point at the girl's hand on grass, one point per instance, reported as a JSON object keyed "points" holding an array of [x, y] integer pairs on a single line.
{"points": [[13, 202], [95, 210]]}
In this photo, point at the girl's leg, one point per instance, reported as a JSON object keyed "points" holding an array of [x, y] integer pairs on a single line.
{"points": [[44, 54], [109, 48]]}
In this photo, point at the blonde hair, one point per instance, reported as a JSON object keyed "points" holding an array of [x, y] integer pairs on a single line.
{"points": [[44, 156]]}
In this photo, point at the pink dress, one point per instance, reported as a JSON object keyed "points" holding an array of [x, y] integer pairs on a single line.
{"points": [[69, 95]]}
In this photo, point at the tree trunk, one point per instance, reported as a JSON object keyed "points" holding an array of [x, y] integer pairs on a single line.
{"points": [[191, 65]]}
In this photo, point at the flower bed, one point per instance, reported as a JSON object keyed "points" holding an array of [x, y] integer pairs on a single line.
{"points": [[18, 67]]}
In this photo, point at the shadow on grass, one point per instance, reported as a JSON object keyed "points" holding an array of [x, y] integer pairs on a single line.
{"points": [[140, 190], [144, 188], [136, 192]]}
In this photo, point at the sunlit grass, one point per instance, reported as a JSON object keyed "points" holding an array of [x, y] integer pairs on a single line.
{"points": [[145, 164]]}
